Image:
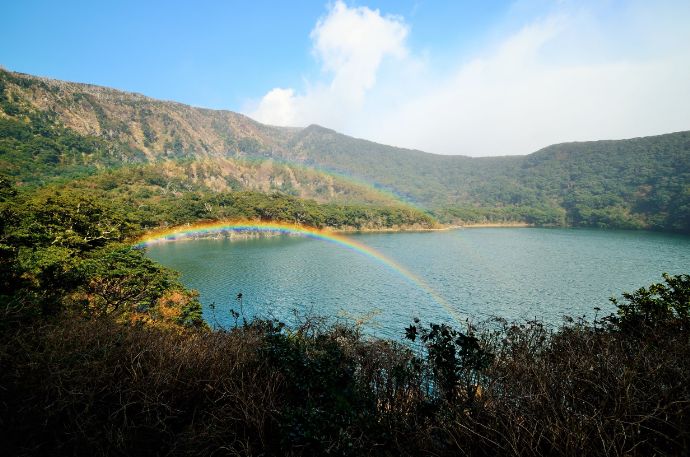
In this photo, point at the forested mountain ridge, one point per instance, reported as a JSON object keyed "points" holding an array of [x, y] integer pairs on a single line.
{"points": [[40, 145], [642, 181], [637, 183]]}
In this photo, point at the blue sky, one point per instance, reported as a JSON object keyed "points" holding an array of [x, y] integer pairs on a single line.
{"points": [[215, 54], [476, 78]]}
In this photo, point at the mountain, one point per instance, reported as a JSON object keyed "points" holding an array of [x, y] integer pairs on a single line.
{"points": [[59, 130]]}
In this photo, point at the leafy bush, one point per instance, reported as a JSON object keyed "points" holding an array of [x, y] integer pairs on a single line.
{"points": [[655, 307], [63, 251], [455, 359]]}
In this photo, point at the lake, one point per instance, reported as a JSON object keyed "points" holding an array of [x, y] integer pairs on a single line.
{"points": [[445, 276]]}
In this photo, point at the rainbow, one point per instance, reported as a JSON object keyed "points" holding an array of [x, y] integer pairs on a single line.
{"points": [[202, 229]]}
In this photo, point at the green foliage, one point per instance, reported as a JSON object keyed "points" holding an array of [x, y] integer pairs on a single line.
{"points": [[62, 251], [153, 198], [9, 276], [54, 232], [34, 148], [191, 312], [536, 215], [637, 183], [72, 219], [455, 359], [656, 307], [118, 279]]}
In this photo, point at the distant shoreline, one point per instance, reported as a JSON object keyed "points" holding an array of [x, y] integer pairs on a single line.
{"points": [[495, 225], [440, 228], [352, 230]]}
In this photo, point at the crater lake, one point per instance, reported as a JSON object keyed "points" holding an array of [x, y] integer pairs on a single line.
{"points": [[440, 276]]}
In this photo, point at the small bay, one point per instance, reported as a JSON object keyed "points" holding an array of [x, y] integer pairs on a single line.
{"points": [[514, 273]]}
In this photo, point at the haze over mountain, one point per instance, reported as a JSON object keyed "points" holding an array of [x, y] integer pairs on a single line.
{"points": [[640, 182]]}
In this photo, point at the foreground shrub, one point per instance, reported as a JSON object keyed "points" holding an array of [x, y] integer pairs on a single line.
{"points": [[93, 387], [655, 307]]}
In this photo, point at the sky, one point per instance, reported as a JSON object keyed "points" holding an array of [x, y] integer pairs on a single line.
{"points": [[477, 78]]}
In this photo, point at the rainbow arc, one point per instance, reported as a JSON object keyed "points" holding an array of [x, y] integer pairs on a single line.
{"points": [[203, 229]]}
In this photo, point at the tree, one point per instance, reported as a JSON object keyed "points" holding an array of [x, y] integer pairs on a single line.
{"points": [[659, 305], [119, 280]]}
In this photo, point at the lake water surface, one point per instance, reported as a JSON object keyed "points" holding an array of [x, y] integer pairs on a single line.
{"points": [[520, 273]]}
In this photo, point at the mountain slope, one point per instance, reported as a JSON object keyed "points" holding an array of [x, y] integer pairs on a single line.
{"points": [[627, 183], [646, 179], [153, 127]]}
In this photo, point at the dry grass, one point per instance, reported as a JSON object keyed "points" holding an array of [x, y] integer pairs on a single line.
{"points": [[79, 387]]}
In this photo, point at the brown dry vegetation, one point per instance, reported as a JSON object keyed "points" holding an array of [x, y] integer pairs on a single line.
{"points": [[93, 387]]}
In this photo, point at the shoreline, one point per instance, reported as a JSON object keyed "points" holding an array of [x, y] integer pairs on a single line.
{"points": [[497, 225], [439, 228], [388, 229], [336, 231]]}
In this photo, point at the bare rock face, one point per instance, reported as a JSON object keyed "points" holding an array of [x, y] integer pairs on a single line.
{"points": [[157, 128]]}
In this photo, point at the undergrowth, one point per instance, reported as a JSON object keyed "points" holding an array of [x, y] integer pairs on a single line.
{"points": [[617, 386]]}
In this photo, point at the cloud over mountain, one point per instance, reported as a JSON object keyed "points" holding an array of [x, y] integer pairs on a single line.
{"points": [[575, 71], [350, 44]]}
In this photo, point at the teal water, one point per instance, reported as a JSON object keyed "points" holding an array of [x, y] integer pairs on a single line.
{"points": [[521, 273]]}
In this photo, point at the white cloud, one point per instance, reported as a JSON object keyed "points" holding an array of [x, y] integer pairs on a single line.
{"points": [[351, 44], [571, 75], [277, 107]]}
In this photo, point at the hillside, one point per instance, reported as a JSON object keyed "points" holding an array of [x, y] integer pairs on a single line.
{"points": [[637, 183], [641, 182]]}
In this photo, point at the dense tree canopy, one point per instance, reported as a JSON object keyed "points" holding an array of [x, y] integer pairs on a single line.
{"points": [[66, 252]]}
